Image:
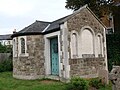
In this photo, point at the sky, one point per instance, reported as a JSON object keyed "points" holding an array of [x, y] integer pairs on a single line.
{"points": [[17, 14]]}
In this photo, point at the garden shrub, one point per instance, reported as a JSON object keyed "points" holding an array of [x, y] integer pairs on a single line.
{"points": [[96, 83], [6, 65], [77, 83]]}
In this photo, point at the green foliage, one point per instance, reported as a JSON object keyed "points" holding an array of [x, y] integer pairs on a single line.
{"points": [[99, 7], [77, 83], [7, 82], [113, 50], [106, 87], [96, 82], [5, 49], [76, 4], [6, 65]]}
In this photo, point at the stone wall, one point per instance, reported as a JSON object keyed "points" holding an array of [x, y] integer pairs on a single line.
{"points": [[86, 67], [84, 18], [31, 66], [114, 76]]}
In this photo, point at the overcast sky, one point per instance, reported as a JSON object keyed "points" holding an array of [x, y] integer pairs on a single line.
{"points": [[17, 14]]}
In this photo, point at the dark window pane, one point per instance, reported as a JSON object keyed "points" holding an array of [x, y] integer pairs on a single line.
{"points": [[22, 45]]}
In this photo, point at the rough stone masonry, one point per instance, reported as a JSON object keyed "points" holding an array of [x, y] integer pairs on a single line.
{"points": [[115, 77]]}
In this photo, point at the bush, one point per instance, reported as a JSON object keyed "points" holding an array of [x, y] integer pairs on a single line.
{"points": [[5, 49], [6, 65], [77, 83], [96, 82]]}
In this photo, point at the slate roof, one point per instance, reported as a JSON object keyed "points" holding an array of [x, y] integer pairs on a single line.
{"points": [[55, 25], [35, 28], [5, 37], [41, 27]]}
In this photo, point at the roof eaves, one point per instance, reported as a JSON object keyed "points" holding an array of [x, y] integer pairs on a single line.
{"points": [[53, 30], [6, 37], [27, 33]]}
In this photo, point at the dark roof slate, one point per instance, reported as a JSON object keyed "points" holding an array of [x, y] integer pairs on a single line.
{"points": [[37, 26], [56, 24], [5, 37]]}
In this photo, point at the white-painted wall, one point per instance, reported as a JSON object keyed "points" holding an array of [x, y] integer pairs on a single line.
{"points": [[87, 43], [65, 50], [74, 44], [99, 44]]}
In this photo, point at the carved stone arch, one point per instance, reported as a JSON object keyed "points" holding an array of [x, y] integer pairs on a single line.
{"points": [[74, 44], [99, 44], [89, 28], [87, 41]]}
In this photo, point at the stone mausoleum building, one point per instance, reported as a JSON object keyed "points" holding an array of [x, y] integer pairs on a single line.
{"points": [[74, 45]]}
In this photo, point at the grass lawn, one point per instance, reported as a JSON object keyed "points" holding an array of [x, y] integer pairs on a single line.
{"points": [[7, 82]]}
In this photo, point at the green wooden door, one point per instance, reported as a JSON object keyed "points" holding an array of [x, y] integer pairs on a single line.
{"points": [[54, 56]]}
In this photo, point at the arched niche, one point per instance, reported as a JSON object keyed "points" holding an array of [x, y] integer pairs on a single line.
{"points": [[87, 42], [99, 45], [74, 44]]}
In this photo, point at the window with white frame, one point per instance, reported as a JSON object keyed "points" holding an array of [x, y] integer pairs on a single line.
{"points": [[22, 45]]}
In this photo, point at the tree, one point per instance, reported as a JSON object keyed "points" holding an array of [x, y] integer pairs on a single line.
{"points": [[113, 49], [99, 7], [5, 49]]}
